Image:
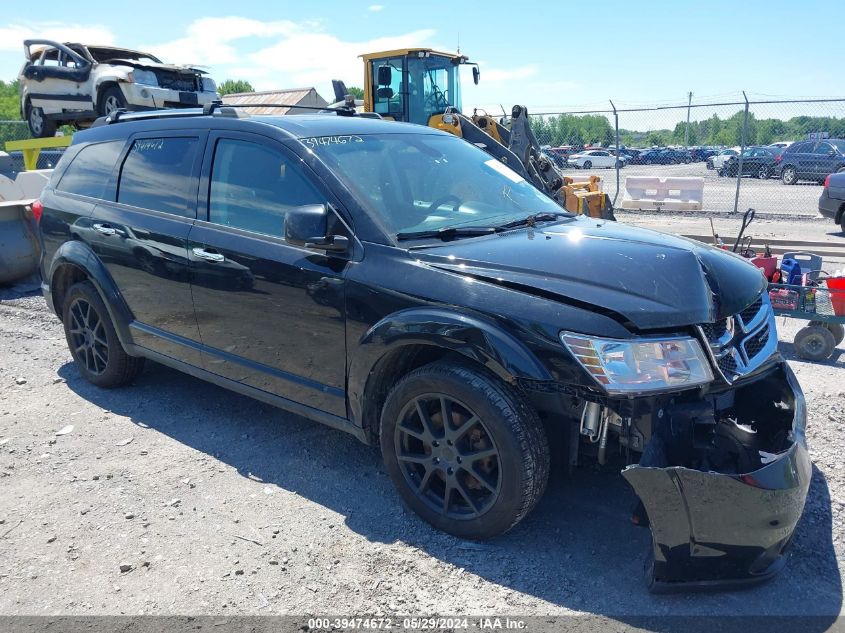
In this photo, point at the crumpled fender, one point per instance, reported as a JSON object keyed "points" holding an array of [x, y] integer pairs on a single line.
{"points": [[713, 529]]}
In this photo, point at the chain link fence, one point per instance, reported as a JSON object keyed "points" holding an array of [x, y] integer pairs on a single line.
{"points": [[772, 155], [13, 131]]}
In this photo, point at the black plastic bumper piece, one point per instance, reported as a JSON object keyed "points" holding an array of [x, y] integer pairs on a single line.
{"points": [[715, 531]]}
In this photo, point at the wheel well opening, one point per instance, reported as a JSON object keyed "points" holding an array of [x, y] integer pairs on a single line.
{"points": [[63, 279], [388, 371], [101, 90]]}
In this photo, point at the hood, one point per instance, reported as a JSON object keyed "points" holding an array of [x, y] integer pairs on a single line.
{"points": [[148, 65], [643, 279]]}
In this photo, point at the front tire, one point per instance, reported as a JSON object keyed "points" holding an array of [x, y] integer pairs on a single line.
{"points": [[464, 451], [111, 100], [587, 164], [92, 339]]}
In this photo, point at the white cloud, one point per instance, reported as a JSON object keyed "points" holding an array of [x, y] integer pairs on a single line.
{"points": [[376, 7], [208, 41], [13, 35], [308, 58]]}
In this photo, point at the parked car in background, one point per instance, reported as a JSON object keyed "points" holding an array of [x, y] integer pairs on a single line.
{"points": [[832, 200], [595, 158], [672, 156], [699, 154], [649, 157], [760, 162], [780, 144], [76, 83], [812, 160], [559, 155], [717, 161]]}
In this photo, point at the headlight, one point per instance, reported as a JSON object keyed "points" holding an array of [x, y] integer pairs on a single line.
{"points": [[144, 77], [208, 84], [640, 365]]}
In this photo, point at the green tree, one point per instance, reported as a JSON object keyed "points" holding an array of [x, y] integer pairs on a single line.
{"points": [[231, 86], [10, 107], [356, 92]]}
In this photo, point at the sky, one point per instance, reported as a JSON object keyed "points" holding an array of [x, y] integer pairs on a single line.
{"points": [[553, 56]]}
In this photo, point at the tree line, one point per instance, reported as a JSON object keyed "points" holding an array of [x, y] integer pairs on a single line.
{"points": [[594, 129]]}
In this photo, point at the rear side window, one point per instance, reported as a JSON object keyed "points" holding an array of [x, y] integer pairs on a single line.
{"points": [[90, 170], [799, 148], [157, 173]]}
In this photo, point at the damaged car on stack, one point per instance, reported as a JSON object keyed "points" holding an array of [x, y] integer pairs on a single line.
{"points": [[409, 289], [71, 83]]}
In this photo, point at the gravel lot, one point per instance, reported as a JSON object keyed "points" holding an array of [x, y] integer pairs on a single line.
{"points": [[176, 497], [766, 196]]}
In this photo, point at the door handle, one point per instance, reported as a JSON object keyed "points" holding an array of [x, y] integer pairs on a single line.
{"points": [[105, 229], [208, 256]]}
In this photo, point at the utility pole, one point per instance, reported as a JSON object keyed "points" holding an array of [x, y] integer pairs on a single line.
{"points": [[686, 129]]}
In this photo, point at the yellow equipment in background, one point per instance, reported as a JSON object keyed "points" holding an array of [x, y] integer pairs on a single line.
{"points": [[422, 86]]}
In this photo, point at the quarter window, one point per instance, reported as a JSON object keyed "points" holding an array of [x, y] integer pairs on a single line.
{"points": [[156, 174], [253, 186], [90, 170]]}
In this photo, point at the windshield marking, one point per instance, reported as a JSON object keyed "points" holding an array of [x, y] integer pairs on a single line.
{"points": [[314, 141]]}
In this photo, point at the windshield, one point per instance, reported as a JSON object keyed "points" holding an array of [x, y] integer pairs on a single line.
{"points": [[427, 182], [433, 85]]}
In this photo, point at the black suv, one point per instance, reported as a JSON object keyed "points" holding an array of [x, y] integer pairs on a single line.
{"points": [[398, 283], [812, 160]]}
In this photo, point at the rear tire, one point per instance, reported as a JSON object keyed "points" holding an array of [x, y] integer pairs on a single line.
{"points": [[815, 342], [789, 176], [763, 173], [92, 339], [39, 125], [837, 329], [476, 476]]}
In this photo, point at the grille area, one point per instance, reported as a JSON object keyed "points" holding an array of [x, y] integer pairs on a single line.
{"points": [[176, 81], [715, 331], [740, 349], [751, 311], [754, 344]]}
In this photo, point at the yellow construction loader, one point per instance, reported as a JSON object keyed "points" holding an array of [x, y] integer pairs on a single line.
{"points": [[422, 86]]}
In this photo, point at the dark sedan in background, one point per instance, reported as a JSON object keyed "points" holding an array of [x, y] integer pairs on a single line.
{"points": [[832, 200], [760, 162], [812, 160]]}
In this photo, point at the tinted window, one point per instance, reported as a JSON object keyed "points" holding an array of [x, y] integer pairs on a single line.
{"points": [[253, 186], [157, 174], [800, 147], [823, 149], [90, 171]]}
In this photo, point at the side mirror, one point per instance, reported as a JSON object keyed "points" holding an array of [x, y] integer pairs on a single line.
{"points": [[385, 76], [476, 75], [384, 93], [308, 226]]}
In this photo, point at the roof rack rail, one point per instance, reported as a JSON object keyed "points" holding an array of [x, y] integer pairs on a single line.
{"points": [[345, 110], [217, 108]]}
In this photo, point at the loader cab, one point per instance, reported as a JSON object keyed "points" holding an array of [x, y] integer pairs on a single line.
{"points": [[413, 85]]}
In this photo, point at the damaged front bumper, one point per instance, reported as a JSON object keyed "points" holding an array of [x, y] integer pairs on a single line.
{"points": [[714, 529]]}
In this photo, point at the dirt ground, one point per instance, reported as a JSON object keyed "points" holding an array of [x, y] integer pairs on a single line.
{"points": [[176, 497]]}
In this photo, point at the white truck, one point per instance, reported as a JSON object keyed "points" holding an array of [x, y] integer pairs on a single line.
{"points": [[76, 83]]}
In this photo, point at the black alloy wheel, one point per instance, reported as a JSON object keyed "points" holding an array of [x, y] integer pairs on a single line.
{"points": [[464, 450], [88, 337], [448, 456], [93, 341]]}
